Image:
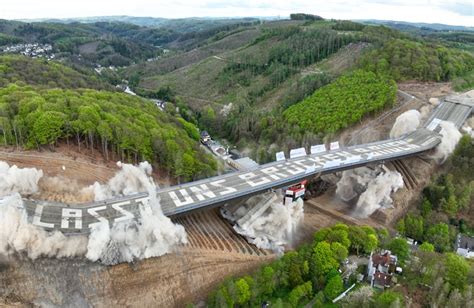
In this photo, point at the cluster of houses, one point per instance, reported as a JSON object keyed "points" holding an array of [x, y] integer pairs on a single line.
{"points": [[33, 50]]}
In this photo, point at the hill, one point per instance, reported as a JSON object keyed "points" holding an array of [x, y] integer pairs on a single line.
{"points": [[255, 66], [89, 44], [52, 74], [181, 25], [116, 41], [257, 83], [401, 25], [124, 127], [240, 85]]}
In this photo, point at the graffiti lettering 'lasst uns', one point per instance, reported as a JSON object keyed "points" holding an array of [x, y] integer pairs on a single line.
{"points": [[238, 184], [86, 218]]}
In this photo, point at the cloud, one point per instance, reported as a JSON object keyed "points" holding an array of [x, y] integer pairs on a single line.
{"points": [[458, 7]]}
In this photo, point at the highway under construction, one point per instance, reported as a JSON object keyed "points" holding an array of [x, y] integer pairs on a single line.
{"points": [[240, 185]]}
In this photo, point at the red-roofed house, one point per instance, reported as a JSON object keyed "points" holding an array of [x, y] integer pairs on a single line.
{"points": [[381, 268]]}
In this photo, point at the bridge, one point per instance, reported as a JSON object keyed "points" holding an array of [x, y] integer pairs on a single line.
{"points": [[231, 187]]}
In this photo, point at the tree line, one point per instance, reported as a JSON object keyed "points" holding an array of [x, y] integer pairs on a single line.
{"points": [[342, 103], [447, 202], [404, 59], [40, 72], [123, 127]]}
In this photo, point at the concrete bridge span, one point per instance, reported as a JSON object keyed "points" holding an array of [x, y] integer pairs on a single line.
{"points": [[219, 190]]}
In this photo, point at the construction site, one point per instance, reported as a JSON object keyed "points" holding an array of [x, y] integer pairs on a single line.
{"points": [[215, 248]]}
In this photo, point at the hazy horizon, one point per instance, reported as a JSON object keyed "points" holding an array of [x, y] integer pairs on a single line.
{"points": [[459, 13]]}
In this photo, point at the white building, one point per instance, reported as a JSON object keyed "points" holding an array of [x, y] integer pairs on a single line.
{"points": [[465, 246]]}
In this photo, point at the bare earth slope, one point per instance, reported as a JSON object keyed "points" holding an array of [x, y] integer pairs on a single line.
{"points": [[171, 280]]}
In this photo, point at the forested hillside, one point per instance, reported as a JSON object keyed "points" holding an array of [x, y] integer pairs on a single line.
{"points": [[361, 93], [246, 94], [412, 60], [115, 43], [123, 127], [262, 85], [16, 68], [313, 275]]}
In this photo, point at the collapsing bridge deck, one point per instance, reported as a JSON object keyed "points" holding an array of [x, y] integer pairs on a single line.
{"points": [[216, 191]]}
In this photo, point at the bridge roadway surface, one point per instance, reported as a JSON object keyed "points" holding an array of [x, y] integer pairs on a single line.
{"points": [[219, 190]]}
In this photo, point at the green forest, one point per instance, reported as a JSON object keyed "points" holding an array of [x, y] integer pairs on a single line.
{"points": [[404, 59], [447, 202], [311, 274], [51, 74], [123, 127], [342, 103]]}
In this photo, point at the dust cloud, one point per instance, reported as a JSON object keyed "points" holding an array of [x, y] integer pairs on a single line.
{"points": [[16, 234], [372, 187], [14, 179], [450, 138], [265, 221], [152, 234], [19, 236], [469, 127], [406, 123]]}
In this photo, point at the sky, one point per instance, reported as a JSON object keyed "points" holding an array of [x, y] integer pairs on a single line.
{"points": [[460, 12]]}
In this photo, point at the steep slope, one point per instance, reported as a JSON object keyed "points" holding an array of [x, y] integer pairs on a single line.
{"points": [[118, 41], [250, 70], [16, 68], [123, 126], [241, 93]]}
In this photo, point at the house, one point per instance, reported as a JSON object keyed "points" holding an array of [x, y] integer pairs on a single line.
{"points": [[161, 104], [465, 246], [381, 280], [205, 137], [381, 268]]}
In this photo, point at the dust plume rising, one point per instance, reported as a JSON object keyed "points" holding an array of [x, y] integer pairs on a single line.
{"points": [[265, 221], [450, 138], [371, 188], [405, 123], [152, 234]]}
